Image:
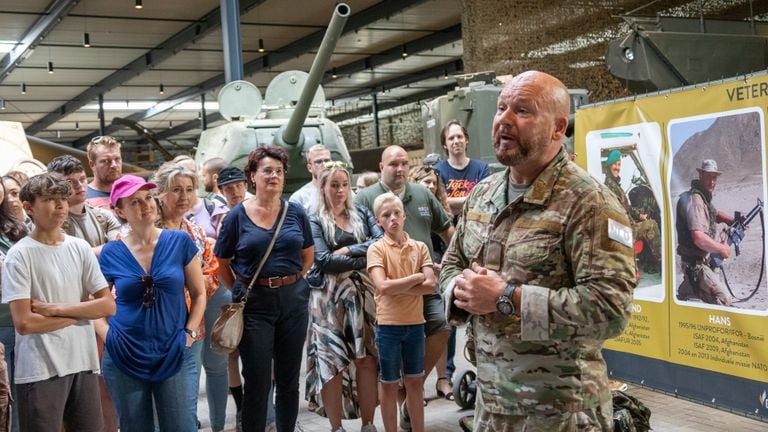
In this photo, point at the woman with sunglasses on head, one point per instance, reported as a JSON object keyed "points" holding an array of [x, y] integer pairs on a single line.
{"points": [[342, 376], [275, 314], [146, 340], [11, 230], [176, 194]]}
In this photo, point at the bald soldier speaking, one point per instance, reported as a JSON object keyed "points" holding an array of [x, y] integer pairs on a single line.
{"points": [[542, 259]]}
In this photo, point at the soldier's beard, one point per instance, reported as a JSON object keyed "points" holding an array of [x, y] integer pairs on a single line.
{"points": [[507, 158]]}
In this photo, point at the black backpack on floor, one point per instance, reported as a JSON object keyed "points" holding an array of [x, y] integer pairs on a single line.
{"points": [[629, 414]]}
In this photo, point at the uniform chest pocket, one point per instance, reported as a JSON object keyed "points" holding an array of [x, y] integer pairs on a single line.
{"points": [[474, 237], [533, 248]]}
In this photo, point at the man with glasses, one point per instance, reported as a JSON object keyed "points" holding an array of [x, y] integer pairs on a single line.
{"points": [[309, 194], [107, 166]]}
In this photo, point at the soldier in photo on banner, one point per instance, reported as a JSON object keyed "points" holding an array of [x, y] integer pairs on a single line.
{"points": [[542, 259], [696, 222]]}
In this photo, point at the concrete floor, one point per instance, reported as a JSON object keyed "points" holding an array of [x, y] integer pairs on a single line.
{"points": [[669, 414]]}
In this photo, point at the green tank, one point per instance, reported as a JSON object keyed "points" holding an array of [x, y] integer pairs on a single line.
{"points": [[473, 103], [290, 115]]}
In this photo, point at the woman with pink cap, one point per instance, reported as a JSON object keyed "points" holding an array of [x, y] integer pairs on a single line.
{"points": [[146, 340]]}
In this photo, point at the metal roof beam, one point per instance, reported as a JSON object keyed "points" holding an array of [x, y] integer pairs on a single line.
{"points": [[147, 61], [453, 66], [426, 43], [187, 126], [35, 34], [288, 52], [416, 97]]}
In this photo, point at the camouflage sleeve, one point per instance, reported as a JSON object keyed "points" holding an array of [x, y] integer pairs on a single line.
{"points": [[603, 269], [454, 260]]}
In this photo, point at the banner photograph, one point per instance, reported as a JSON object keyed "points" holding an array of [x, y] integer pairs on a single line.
{"points": [[690, 168]]}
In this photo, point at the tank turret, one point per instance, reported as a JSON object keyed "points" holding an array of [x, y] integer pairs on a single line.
{"points": [[291, 115]]}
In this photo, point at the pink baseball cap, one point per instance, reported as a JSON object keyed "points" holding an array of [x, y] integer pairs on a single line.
{"points": [[126, 186]]}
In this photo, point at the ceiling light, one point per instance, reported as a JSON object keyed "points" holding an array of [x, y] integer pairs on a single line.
{"points": [[139, 5], [333, 73], [162, 89], [445, 76], [405, 52], [86, 39], [77, 125], [261, 45], [58, 134], [23, 88], [50, 67], [2, 104]]}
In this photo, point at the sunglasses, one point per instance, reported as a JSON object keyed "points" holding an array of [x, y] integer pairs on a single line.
{"points": [[104, 138], [148, 299], [334, 164]]}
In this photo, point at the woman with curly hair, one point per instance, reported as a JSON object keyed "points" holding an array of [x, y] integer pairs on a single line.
{"points": [[176, 193]]}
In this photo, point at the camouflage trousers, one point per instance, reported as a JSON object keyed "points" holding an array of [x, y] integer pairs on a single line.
{"points": [[596, 420], [705, 284]]}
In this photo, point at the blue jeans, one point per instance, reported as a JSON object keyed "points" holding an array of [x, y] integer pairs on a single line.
{"points": [[134, 400], [215, 364], [275, 327], [400, 347], [190, 369], [8, 338]]}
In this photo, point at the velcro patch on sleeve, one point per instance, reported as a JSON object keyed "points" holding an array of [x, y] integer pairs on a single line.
{"points": [[620, 233]]}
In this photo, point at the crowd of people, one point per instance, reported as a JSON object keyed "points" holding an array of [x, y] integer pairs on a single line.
{"points": [[122, 278]]}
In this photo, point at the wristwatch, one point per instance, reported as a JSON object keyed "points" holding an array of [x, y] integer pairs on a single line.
{"points": [[504, 304], [191, 333]]}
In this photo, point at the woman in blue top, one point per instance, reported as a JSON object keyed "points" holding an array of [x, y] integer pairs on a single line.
{"points": [[147, 337], [276, 311]]}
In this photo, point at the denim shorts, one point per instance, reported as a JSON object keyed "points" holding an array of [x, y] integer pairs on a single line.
{"points": [[401, 347]]}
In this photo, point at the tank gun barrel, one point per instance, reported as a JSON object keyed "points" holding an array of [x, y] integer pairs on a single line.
{"points": [[292, 132]]}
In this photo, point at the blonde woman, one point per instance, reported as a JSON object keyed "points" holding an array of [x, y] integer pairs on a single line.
{"points": [[341, 376], [176, 193]]}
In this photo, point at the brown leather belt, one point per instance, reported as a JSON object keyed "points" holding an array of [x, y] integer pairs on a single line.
{"points": [[274, 281]]}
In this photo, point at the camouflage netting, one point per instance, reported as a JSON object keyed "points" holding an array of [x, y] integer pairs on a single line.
{"points": [[569, 39]]}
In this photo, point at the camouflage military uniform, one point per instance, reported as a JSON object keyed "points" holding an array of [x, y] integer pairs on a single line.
{"points": [[612, 183], [544, 370]]}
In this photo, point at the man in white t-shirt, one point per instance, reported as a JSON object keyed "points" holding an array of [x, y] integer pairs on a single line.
{"points": [[54, 286]]}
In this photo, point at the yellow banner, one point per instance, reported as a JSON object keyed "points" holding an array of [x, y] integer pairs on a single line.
{"points": [[691, 167]]}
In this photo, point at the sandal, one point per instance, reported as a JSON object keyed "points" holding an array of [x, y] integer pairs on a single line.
{"points": [[440, 393]]}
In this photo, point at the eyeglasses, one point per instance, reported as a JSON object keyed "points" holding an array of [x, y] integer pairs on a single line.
{"points": [[321, 161], [270, 172], [148, 299], [334, 164]]}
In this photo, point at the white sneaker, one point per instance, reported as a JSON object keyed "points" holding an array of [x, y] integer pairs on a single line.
{"points": [[370, 427], [341, 429]]}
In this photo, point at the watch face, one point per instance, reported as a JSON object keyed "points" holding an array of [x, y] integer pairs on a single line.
{"points": [[505, 307]]}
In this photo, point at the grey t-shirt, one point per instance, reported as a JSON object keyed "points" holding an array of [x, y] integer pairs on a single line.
{"points": [[309, 198], [94, 225], [65, 273]]}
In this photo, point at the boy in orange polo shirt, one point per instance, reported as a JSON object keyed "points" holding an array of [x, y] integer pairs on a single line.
{"points": [[402, 272]]}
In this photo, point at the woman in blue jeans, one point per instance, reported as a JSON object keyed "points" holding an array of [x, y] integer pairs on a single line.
{"points": [[276, 314], [176, 193], [146, 340]]}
